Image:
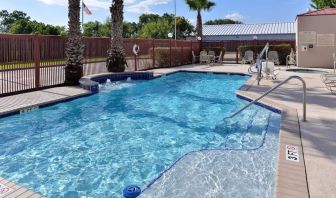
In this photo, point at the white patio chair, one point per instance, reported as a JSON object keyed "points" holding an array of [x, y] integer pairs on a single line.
{"points": [[204, 57], [211, 55], [195, 58], [290, 60], [274, 57], [268, 70], [219, 59], [248, 57]]}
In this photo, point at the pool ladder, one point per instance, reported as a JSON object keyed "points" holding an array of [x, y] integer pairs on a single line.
{"points": [[304, 103]]}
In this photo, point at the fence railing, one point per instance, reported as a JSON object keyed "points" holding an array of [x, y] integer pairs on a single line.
{"points": [[32, 62]]}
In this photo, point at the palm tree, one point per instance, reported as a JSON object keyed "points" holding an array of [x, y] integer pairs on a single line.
{"points": [[74, 47], [200, 5], [116, 60], [318, 4]]}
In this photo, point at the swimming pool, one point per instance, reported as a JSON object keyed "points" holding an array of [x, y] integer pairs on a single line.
{"points": [[131, 132]]}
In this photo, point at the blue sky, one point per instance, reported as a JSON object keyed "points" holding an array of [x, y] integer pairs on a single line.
{"points": [[249, 11]]}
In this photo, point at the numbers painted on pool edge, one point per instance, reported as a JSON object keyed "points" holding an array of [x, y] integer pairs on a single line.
{"points": [[292, 153], [29, 109]]}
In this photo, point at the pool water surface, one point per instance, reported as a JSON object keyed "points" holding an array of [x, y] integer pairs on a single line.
{"points": [[129, 133]]}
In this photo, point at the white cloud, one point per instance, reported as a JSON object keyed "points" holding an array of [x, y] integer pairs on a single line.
{"points": [[234, 16], [144, 6]]}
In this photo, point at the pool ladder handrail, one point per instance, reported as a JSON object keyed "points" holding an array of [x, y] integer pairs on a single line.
{"points": [[274, 88]]}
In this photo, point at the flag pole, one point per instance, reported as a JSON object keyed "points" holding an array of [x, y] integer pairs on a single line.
{"points": [[82, 17], [175, 17]]}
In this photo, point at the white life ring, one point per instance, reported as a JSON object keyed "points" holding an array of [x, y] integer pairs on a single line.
{"points": [[136, 49]]}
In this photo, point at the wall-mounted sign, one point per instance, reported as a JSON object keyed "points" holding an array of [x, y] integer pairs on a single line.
{"points": [[292, 153], [325, 39], [307, 37]]}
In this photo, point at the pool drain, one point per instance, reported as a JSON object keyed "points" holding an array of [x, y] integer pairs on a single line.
{"points": [[131, 191]]}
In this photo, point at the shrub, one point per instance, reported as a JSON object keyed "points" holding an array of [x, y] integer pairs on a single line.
{"points": [[282, 49]]}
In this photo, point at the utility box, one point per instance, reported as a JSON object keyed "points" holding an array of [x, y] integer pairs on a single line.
{"points": [[315, 38]]}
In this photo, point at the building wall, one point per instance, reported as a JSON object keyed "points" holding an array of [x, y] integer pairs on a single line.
{"points": [[318, 56], [250, 37]]}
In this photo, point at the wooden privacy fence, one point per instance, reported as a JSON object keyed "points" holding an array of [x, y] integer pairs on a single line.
{"points": [[32, 62]]}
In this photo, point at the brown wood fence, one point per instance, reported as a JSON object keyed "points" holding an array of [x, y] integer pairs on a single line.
{"points": [[32, 62]]}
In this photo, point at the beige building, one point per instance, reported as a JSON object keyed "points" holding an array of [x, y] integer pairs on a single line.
{"points": [[315, 38]]}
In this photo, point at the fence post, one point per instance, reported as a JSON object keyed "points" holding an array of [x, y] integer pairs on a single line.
{"points": [[237, 55], [37, 55], [153, 45], [191, 51], [170, 52]]}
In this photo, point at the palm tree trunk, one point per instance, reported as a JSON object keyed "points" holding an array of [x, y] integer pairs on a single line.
{"points": [[74, 47], [116, 61], [199, 24]]}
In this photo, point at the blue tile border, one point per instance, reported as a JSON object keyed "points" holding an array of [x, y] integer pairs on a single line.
{"points": [[47, 104], [273, 109]]}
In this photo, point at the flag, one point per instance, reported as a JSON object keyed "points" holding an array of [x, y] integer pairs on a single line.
{"points": [[86, 9]]}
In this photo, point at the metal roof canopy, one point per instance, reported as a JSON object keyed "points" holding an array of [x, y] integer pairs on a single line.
{"points": [[249, 29]]}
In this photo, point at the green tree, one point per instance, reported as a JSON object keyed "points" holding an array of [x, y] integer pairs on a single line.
{"points": [[148, 18], [116, 61], [156, 29], [318, 4], [74, 47], [25, 26], [199, 5], [93, 28], [160, 26], [222, 22], [7, 19], [131, 30]]}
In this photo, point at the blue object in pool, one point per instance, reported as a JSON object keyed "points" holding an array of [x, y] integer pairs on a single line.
{"points": [[131, 191], [130, 132]]}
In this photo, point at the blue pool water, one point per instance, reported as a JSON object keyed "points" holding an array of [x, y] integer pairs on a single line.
{"points": [[128, 133]]}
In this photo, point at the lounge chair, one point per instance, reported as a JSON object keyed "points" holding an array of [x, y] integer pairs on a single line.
{"points": [[248, 57], [290, 60], [269, 71], [195, 59], [219, 59], [274, 57], [211, 56], [204, 57]]}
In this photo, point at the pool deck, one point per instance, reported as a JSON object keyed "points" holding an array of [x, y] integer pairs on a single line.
{"points": [[318, 134]]}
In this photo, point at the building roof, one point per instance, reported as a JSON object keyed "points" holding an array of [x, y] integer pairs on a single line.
{"points": [[249, 29], [324, 11]]}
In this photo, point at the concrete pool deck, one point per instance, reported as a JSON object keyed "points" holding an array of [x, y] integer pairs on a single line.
{"points": [[318, 134]]}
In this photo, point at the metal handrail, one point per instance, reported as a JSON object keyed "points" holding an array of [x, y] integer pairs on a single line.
{"points": [[274, 88]]}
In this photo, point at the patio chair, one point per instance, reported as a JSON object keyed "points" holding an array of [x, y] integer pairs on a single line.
{"points": [[211, 56], [248, 57], [219, 59], [274, 57], [204, 57], [268, 70], [290, 60], [195, 58]]}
